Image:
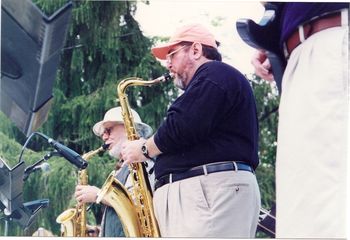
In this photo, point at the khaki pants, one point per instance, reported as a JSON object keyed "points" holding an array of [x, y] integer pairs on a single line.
{"points": [[312, 139], [222, 204]]}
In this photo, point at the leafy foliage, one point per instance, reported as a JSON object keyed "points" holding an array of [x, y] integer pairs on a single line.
{"points": [[267, 101], [104, 45]]}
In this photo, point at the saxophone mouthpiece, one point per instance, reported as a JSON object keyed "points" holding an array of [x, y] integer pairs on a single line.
{"points": [[166, 77], [169, 75], [105, 146]]}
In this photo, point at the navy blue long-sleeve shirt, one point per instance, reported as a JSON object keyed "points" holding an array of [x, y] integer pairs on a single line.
{"points": [[214, 120]]}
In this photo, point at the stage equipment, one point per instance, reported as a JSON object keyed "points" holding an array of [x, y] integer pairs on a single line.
{"points": [[11, 183], [11, 196], [267, 221], [31, 45], [11, 186], [265, 35], [61, 150]]}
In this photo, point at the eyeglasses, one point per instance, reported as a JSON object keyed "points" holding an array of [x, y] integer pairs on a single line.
{"points": [[107, 131], [170, 56]]}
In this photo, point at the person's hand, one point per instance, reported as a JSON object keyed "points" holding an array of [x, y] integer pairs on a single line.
{"points": [[86, 193], [131, 151], [262, 65]]}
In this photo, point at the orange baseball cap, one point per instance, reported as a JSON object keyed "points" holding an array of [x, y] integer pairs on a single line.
{"points": [[187, 33]]}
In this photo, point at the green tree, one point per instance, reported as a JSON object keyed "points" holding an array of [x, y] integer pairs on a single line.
{"points": [[267, 101], [104, 45], [267, 104]]}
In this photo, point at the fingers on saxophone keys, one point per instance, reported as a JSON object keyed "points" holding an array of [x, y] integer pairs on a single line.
{"points": [[82, 199]]}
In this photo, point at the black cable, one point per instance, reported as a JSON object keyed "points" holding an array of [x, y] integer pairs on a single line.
{"points": [[27, 141]]}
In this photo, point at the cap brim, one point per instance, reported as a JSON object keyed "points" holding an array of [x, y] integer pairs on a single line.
{"points": [[161, 51], [144, 130], [97, 128]]}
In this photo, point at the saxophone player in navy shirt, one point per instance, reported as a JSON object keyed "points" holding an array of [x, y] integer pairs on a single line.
{"points": [[207, 147]]}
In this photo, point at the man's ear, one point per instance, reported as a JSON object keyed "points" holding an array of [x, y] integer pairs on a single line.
{"points": [[197, 50]]}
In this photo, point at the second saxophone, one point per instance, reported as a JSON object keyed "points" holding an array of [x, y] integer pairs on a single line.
{"points": [[134, 210], [73, 220]]}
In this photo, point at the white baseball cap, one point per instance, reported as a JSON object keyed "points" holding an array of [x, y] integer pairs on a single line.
{"points": [[115, 115]]}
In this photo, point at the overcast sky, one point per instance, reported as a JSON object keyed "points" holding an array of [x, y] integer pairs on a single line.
{"points": [[162, 17]]}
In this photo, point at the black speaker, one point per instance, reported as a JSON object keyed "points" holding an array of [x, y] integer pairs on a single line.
{"points": [[31, 43], [11, 185]]}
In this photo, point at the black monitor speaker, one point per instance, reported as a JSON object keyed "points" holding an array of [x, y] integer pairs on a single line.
{"points": [[11, 186], [31, 44]]}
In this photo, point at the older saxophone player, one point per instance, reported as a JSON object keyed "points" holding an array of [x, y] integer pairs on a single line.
{"points": [[111, 130], [207, 147]]}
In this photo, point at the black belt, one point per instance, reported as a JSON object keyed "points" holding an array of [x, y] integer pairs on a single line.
{"points": [[202, 170]]}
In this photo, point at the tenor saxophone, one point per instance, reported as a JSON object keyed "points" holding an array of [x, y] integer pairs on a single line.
{"points": [[73, 220], [135, 210]]}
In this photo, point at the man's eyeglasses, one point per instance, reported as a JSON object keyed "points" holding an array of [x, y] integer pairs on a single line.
{"points": [[107, 131], [170, 55]]}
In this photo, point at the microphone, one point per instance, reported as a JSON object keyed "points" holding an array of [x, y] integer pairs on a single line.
{"points": [[45, 167], [69, 154]]}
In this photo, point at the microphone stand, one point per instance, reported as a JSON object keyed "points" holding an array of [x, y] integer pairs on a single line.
{"points": [[6, 226], [27, 141]]}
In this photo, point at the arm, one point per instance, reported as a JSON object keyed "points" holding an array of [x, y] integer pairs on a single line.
{"points": [[153, 149], [87, 194]]}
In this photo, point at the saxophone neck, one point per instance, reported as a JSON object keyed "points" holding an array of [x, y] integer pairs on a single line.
{"points": [[83, 174], [83, 177], [92, 153], [124, 103], [134, 81]]}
